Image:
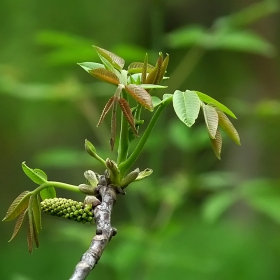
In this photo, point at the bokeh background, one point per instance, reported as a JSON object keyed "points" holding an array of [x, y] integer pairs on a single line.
{"points": [[196, 217]]}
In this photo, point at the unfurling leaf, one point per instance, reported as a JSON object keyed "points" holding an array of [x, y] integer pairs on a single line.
{"points": [[18, 224], [141, 96], [36, 177], [131, 177], [163, 67], [113, 171], [155, 74], [137, 67], [217, 144], [105, 75], [128, 114], [115, 60], [186, 105], [211, 120], [209, 100], [143, 174], [18, 206], [91, 178], [106, 109], [228, 127], [144, 70]]}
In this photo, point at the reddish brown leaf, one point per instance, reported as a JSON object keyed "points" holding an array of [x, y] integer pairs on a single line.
{"points": [[17, 206], [105, 75], [106, 110], [114, 59], [30, 231], [18, 225], [128, 114], [159, 68], [141, 96]]}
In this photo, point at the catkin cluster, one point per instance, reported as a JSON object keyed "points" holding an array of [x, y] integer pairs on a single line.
{"points": [[68, 209]]}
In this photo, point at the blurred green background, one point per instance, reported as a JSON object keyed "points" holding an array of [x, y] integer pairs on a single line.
{"points": [[196, 217]]}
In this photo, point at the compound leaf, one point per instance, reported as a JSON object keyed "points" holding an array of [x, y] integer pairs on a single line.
{"points": [[186, 105]]}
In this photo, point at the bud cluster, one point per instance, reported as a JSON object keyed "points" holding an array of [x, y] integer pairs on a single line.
{"points": [[68, 209]]}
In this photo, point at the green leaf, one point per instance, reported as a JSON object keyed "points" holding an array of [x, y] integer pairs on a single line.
{"points": [[211, 119], [18, 224], [18, 206], [156, 101], [115, 60], [88, 66], [228, 127], [48, 192], [41, 173], [207, 99], [186, 105], [217, 204], [151, 86], [131, 177], [217, 144], [37, 213], [137, 67], [33, 175]]}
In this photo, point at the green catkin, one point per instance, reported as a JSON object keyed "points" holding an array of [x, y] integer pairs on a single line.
{"points": [[68, 209]]}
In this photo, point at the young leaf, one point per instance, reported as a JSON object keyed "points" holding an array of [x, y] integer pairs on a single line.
{"points": [[18, 224], [156, 101], [151, 86], [163, 67], [48, 192], [88, 66], [217, 144], [144, 70], [137, 67], [30, 228], [37, 214], [41, 173], [140, 95], [186, 105], [17, 206], [143, 174], [228, 127], [113, 123], [207, 99], [115, 60], [106, 109], [33, 175], [211, 119], [105, 75], [128, 114]]}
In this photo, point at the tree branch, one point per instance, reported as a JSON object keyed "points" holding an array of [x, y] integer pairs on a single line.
{"points": [[104, 230]]}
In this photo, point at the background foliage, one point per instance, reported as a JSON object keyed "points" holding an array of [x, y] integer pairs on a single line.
{"points": [[196, 217]]}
